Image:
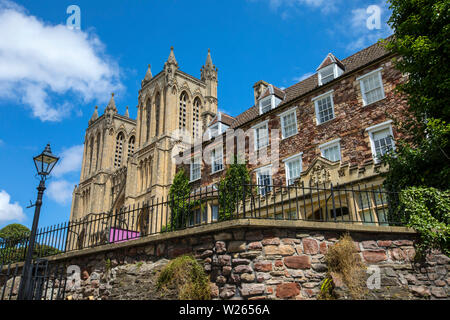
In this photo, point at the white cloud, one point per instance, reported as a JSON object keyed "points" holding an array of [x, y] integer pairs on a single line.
{"points": [[362, 35], [39, 61], [9, 211], [303, 77], [70, 161], [60, 191]]}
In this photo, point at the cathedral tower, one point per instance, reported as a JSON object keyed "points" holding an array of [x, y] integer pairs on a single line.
{"points": [[128, 161]]}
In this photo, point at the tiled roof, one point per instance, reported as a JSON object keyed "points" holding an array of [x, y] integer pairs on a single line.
{"points": [[277, 91], [224, 118], [351, 63], [329, 59], [227, 119]]}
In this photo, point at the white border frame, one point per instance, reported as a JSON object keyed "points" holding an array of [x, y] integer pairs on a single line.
{"points": [[378, 127], [285, 113], [329, 144], [289, 159], [255, 137], [258, 171], [316, 107], [212, 159], [361, 85], [272, 103], [198, 157]]}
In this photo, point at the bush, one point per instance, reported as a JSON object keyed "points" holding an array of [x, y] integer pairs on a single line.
{"points": [[232, 189], [14, 233], [188, 277], [427, 210], [344, 260]]}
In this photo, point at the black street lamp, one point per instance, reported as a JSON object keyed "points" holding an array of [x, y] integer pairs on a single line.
{"points": [[44, 165]]}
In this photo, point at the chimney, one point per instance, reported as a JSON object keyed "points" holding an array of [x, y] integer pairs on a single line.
{"points": [[258, 89]]}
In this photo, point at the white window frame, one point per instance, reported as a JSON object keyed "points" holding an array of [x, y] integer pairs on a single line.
{"points": [[193, 161], [258, 172], [255, 128], [332, 66], [292, 158], [375, 128], [213, 152], [330, 144], [272, 103], [214, 126], [361, 85], [320, 97], [286, 113]]}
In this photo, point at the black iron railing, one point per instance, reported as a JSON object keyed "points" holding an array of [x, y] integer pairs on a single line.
{"points": [[361, 204], [48, 282]]}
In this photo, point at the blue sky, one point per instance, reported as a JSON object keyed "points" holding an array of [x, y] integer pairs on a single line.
{"points": [[51, 77]]}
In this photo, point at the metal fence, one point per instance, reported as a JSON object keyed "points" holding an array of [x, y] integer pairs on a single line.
{"points": [[361, 204], [47, 283]]}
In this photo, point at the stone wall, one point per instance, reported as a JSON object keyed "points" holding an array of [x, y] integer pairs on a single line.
{"points": [[261, 261]]}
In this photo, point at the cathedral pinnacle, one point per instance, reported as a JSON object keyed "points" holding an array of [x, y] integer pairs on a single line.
{"points": [[94, 115], [127, 114], [111, 105], [208, 59], [209, 70], [148, 75], [171, 58]]}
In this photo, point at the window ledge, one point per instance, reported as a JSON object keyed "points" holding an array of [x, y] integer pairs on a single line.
{"points": [[289, 136], [372, 103], [326, 121], [217, 171]]}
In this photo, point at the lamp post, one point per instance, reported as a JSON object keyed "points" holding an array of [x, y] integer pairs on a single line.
{"points": [[44, 164]]}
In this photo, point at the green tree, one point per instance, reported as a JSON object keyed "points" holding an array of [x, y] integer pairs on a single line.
{"points": [[421, 33], [233, 188], [179, 200], [13, 233], [422, 158]]}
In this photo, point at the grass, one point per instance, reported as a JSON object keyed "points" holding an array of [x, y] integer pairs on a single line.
{"points": [[343, 259], [187, 276]]}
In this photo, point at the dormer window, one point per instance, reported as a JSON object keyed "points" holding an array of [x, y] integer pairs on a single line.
{"points": [[265, 104], [326, 75], [270, 99], [329, 69], [214, 130]]}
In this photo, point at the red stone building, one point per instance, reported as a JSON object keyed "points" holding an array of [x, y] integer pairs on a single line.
{"points": [[328, 129]]}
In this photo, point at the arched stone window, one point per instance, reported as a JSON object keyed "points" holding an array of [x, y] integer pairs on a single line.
{"points": [[97, 153], [157, 110], [91, 151], [148, 107], [182, 115], [196, 118], [131, 146], [119, 150]]}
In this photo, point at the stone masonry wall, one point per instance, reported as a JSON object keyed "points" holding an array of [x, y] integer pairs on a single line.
{"points": [[263, 263]]}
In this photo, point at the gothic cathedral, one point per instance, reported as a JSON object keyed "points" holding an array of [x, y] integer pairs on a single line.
{"points": [[127, 161]]}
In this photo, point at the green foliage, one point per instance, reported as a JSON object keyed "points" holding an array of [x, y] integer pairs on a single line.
{"points": [[16, 254], [232, 189], [187, 276], [421, 33], [14, 233], [427, 210], [326, 289], [424, 164], [422, 158], [180, 206]]}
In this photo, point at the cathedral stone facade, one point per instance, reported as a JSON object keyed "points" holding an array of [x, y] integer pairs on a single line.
{"points": [[127, 161]]}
